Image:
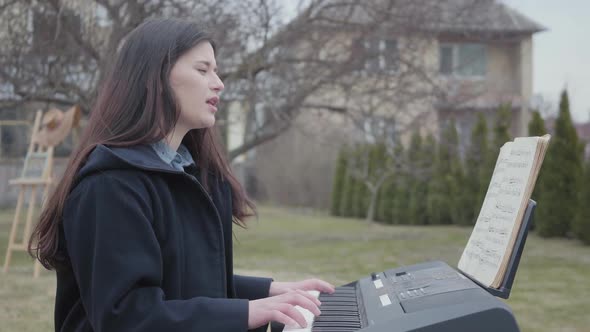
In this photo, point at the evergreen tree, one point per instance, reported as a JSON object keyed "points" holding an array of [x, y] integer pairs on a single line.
{"points": [[388, 190], [359, 168], [399, 205], [347, 195], [445, 197], [501, 135], [560, 177], [381, 203], [399, 213], [429, 156], [501, 129], [581, 226], [475, 166], [360, 199], [378, 171], [436, 199], [417, 183], [537, 128], [384, 208], [459, 208], [537, 125], [338, 185], [456, 181], [349, 187]]}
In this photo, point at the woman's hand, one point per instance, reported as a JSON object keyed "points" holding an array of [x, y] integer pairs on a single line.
{"points": [[281, 308], [277, 288]]}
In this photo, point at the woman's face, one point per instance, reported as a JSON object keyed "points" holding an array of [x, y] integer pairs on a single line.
{"points": [[196, 86]]}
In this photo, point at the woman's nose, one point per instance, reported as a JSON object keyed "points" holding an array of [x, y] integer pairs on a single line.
{"points": [[217, 84]]}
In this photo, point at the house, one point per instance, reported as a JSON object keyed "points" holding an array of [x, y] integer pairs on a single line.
{"points": [[472, 55]]}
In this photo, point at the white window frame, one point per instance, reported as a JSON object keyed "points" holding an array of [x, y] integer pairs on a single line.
{"points": [[381, 56]]}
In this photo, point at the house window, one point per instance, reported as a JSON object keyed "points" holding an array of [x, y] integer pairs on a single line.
{"points": [[446, 59], [380, 55], [380, 129], [466, 60]]}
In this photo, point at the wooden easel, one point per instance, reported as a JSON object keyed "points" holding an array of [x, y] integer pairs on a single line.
{"points": [[36, 174]]}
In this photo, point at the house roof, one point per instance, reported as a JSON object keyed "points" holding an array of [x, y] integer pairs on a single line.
{"points": [[483, 15], [450, 16]]}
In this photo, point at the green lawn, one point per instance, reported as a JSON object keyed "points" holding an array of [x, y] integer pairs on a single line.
{"points": [[550, 292]]}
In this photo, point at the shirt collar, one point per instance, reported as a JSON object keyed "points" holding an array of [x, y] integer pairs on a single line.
{"points": [[177, 159]]}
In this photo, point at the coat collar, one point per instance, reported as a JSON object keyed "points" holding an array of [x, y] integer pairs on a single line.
{"points": [[143, 157]]}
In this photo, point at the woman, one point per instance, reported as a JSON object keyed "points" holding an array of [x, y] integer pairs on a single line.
{"points": [[139, 228]]}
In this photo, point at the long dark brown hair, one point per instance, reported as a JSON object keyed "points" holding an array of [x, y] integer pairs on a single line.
{"points": [[135, 105]]}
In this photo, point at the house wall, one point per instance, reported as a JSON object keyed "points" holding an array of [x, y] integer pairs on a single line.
{"points": [[508, 80], [503, 68], [297, 168], [511, 74], [526, 82]]}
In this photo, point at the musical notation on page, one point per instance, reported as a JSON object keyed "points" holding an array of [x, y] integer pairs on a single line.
{"points": [[487, 246]]}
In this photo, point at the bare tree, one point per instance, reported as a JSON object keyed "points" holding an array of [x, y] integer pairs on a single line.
{"points": [[328, 59], [55, 51]]}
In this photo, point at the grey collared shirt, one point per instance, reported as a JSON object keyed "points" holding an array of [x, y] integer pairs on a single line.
{"points": [[177, 159]]}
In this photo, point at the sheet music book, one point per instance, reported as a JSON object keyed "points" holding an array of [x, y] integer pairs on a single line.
{"points": [[486, 255]]}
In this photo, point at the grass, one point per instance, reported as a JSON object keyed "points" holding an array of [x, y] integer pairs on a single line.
{"points": [[26, 304], [550, 292]]}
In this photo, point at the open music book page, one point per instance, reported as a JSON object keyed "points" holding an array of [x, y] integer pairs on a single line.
{"points": [[487, 253]]}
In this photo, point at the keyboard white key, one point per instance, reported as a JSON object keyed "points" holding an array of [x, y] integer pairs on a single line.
{"points": [[309, 317]]}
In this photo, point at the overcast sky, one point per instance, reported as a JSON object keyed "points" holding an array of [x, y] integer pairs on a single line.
{"points": [[561, 55]]}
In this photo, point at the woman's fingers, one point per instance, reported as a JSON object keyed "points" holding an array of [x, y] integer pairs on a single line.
{"points": [[277, 288], [281, 308], [279, 316], [319, 285], [325, 287], [294, 314], [304, 300], [308, 295]]}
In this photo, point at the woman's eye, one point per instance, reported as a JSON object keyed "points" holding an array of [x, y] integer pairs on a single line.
{"points": [[202, 71]]}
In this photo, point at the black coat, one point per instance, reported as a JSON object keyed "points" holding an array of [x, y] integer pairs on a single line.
{"points": [[147, 248]]}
